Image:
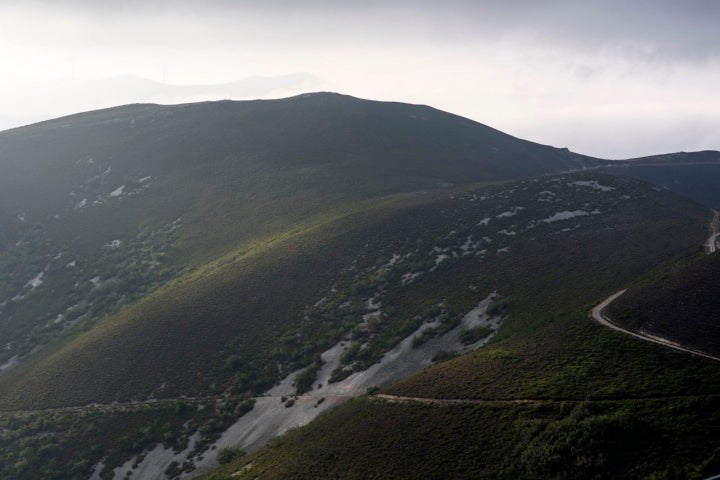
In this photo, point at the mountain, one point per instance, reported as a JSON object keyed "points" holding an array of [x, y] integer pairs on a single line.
{"points": [[553, 394], [127, 198], [268, 153], [69, 95], [677, 303], [181, 279], [691, 174]]}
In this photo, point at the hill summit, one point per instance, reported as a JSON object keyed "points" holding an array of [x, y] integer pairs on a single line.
{"points": [[178, 278]]}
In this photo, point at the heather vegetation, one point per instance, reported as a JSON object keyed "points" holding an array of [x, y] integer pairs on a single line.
{"points": [[642, 438], [52, 291], [554, 395], [696, 181], [185, 260], [419, 259], [678, 302], [69, 444], [435, 257], [100, 209]]}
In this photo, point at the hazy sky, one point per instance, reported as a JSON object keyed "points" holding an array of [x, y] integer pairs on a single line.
{"points": [[613, 78]]}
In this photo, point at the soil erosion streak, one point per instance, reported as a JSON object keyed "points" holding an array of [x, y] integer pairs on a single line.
{"points": [[711, 244]]}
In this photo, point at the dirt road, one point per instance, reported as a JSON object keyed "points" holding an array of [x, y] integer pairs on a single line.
{"points": [[598, 316]]}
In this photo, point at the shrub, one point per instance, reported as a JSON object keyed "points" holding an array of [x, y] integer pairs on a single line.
{"points": [[470, 336], [443, 356], [499, 307], [228, 454]]}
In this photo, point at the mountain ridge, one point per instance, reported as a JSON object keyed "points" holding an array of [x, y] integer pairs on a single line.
{"points": [[338, 98], [212, 250]]}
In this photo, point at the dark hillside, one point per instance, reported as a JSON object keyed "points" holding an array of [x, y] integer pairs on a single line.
{"points": [[550, 246], [694, 175], [182, 336], [679, 303], [702, 157], [554, 395], [98, 209], [375, 439], [183, 259], [247, 303], [252, 159]]}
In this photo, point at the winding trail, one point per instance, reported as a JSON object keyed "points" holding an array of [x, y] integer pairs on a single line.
{"points": [[453, 401], [598, 315], [134, 406], [597, 312], [138, 406]]}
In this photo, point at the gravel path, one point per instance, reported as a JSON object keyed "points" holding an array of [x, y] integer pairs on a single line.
{"points": [[598, 316]]}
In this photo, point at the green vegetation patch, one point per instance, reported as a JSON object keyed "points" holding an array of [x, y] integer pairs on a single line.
{"points": [[372, 277], [554, 395], [472, 335], [68, 444], [678, 302], [371, 438]]}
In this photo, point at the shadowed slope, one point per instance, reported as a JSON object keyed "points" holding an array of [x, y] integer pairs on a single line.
{"points": [[591, 403], [678, 303], [98, 209]]}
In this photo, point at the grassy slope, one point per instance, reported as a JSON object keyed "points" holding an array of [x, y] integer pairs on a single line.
{"points": [[368, 439], [251, 304], [543, 355], [249, 173], [242, 170], [55, 445], [614, 407], [678, 302], [232, 173], [697, 182], [181, 334]]}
